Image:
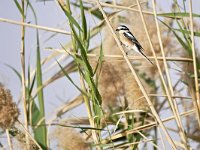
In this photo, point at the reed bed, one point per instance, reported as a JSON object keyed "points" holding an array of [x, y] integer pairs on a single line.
{"points": [[129, 103]]}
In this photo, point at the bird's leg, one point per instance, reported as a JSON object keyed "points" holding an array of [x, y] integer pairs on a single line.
{"points": [[127, 52], [125, 47]]}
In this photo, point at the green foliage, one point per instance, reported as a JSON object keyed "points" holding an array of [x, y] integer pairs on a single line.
{"points": [[15, 71], [40, 131], [81, 40], [187, 32], [19, 8], [182, 34], [36, 115], [94, 12], [177, 15]]}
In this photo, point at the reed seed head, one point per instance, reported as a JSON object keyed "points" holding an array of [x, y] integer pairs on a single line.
{"points": [[8, 109]]}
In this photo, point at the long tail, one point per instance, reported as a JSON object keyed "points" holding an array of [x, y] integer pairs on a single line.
{"points": [[146, 57]]}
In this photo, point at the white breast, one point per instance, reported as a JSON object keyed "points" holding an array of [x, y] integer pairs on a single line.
{"points": [[134, 47]]}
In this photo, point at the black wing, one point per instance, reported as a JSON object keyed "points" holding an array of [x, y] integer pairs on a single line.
{"points": [[131, 37]]}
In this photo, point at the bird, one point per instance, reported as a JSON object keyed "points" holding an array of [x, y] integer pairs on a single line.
{"points": [[128, 40]]}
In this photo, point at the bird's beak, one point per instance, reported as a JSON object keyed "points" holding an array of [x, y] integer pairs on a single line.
{"points": [[117, 30]]}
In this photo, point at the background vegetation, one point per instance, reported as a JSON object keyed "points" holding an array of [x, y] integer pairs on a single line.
{"points": [[130, 103]]}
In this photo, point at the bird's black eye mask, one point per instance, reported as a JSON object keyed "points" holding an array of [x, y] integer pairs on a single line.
{"points": [[122, 27]]}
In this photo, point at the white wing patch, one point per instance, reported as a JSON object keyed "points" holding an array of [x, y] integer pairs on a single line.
{"points": [[129, 34]]}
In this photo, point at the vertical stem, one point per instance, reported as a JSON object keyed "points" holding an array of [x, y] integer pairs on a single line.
{"points": [[90, 114], [136, 77], [172, 102], [30, 136], [22, 54], [9, 140], [162, 140], [194, 65]]}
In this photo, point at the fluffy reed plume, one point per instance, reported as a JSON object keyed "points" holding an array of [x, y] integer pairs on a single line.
{"points": [[111, 85], [136, 26], [20, 140], [116, 80], [191, 121], [70, 139], [8, 109], [117, 83], [186, 72]]}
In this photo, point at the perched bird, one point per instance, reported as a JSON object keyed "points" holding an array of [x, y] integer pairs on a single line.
{"points": [[130, 42]]}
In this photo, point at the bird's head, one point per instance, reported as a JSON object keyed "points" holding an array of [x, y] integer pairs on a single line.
{"points": [[122, 29]]}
